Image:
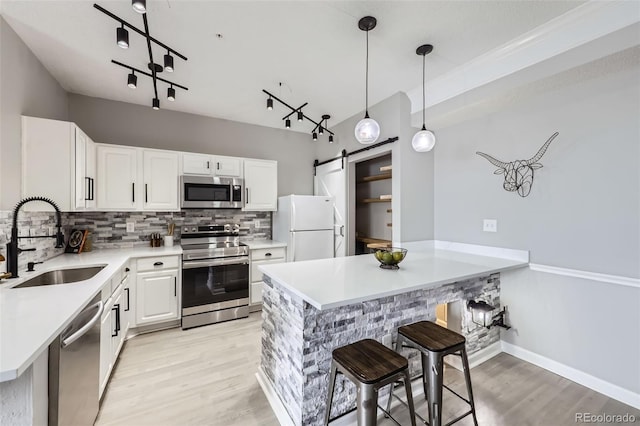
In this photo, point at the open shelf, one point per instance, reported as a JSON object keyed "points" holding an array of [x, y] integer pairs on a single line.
{"points": [[373, 178], [375, 200], [374, 242]]}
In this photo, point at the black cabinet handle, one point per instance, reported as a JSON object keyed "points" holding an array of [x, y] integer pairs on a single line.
{"points": [[267, 254], [158, 264], [93, 189], [128, 303], [218, 165], [246, 190], [146, 193], [87, 194], [116, 308], [133, 192], [127, 269], [175, 287], [208, 165]]}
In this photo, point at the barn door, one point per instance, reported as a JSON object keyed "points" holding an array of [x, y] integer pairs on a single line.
{"points": [[330, 180]]}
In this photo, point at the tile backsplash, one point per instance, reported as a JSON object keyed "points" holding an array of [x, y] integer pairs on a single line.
{"points": [[109, 229]]}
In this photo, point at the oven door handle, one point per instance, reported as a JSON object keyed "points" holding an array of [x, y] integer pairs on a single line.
{"points": [[191, 264]]}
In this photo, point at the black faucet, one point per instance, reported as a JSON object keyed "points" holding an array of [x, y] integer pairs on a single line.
{"points": [[12, 247]]}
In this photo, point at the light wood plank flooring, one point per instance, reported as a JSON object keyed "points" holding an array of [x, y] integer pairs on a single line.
{"points": [[206, 376]]}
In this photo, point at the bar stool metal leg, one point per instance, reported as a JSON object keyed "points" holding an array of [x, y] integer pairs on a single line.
{"points": [[332, 385], [367, 405], [397, 348], [407, 387], [425, 377], [434, 361], [467, 378]]}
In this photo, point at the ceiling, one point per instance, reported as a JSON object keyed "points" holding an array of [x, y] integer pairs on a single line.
{"points": [[313, 47]]}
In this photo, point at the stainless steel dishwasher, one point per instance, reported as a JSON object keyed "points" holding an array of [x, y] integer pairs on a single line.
{"points": [[74, 368]]}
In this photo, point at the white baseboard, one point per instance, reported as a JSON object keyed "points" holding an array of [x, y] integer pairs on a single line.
{"points": [[598, 385], [593, 276], [274, 400], [477, 357]]}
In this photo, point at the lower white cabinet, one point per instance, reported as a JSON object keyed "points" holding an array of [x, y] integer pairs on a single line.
{"points": [[262, 257], [157, 290]]}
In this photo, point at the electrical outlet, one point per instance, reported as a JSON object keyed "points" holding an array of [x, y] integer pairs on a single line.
{"points": [[490, 225], [386, 340], [256, 223], [131, 227]]}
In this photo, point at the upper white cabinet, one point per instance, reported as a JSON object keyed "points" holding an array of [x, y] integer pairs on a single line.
{"points": [[117, 178], [196, 164], [58, 162], [160, 176], [261, 185], [227, 166]]}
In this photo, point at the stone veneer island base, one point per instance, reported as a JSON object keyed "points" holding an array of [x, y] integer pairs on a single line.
{"points": [[298, 337]]}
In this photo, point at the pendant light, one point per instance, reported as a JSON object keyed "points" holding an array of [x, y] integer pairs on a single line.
{"points": [[287, 123], [367, 130], [171, 94], [424, 140], [168, 62], [139, 6], [122, 37], [300, 116], [132, 81], [269, 104], [156, 104]]}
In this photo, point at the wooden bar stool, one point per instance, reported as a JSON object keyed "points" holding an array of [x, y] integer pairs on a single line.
{"points": [[434, 343], [369, 365]]}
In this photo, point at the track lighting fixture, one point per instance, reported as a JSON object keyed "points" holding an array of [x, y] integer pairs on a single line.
{"points": [[139, 6], [287, 123], [122, 36], [168, 62], [367, 130], [300, 116], [269, 104], [314, 135], [319, 128], [132, 81], [330, 138], [424, 140]]}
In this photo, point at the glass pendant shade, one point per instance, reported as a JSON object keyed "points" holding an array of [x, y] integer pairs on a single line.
{"points": [[367, 131], [139, 6], [423, 141]]}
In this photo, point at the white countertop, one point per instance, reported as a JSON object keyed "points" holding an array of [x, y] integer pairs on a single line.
{"points": [[264, 244], [330, 283], [31, 318]]}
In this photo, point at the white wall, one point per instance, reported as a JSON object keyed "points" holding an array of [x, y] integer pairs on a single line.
{"points": [[26, 87]]}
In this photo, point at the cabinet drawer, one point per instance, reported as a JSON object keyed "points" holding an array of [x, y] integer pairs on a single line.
{"points": [[256, 274], [268, 254], [153, 263], [256, 292]]}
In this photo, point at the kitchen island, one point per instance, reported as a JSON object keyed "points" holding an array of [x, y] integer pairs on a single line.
{"points": [[313, 307]]}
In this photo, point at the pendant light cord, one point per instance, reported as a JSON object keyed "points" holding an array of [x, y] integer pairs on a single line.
{"points": [[423, 92], [366, 79]]}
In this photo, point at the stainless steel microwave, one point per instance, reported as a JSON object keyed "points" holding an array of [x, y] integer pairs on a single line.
{"points": [[211, 192]]}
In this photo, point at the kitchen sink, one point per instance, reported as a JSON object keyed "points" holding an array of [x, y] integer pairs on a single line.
{"points": [[62, 276]]}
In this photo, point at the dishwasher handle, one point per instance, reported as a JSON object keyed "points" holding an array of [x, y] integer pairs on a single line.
{"points": [[83, 330]]}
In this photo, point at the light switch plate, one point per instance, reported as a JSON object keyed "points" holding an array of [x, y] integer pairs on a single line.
{"points": [[490, 225], [131, 227]]}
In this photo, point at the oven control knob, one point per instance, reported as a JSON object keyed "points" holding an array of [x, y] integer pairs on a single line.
{"points": [[236, 228], [227, 228], [193, 229]]}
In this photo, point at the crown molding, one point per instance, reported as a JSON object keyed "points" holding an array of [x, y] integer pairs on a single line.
{"points": [[582, 25]]}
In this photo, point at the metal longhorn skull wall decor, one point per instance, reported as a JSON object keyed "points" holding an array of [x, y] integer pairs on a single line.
{"points": [[518, 175]]}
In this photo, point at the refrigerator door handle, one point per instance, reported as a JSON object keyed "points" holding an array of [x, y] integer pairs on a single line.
{"points": [[293, 214]]}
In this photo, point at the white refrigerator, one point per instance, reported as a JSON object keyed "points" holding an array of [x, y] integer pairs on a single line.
{"points": [[305, 223]]}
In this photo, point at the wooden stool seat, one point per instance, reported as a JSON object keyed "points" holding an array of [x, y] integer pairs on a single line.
{"points": [[370, 361], [431, 336]]}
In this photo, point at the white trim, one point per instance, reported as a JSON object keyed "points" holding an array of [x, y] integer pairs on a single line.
{"points": [[504, 253], [598, 385], [274, 400], [581, 25], [476, 358], [594, 276]]}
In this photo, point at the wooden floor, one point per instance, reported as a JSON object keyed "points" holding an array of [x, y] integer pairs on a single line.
{"points": [[206, 376]]}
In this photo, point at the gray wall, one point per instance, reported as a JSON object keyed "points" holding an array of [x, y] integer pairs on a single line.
{"points": [[26, 87], [122, 123], [413, 179]]}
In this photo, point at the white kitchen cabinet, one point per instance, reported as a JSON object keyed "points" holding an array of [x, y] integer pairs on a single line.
{"points": [[259, 257], [160, 179], [116, 325], [59, 162], [117, 177], [197, 164], [227, 166], [261, 185], [157, 290]]}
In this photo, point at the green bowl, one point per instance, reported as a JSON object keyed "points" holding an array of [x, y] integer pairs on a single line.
{"points": [[390, 257]]}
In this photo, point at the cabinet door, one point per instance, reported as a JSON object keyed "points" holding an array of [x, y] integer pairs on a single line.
{"points": [[227, 166], [255, 291], [106, 354], [116, 178], [91, 173], [82, 190], [156, 296], [261, 185], [160, 169], [196, 164], [127, 311], [116, 335]]}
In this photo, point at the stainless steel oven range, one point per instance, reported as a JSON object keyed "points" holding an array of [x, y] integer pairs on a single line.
{"points": [[215, 275]]}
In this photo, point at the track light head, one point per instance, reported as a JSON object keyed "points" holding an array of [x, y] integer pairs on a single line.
{"points": [[168, 62], [156, 104], [269, 104], [287, 123], [132, 81], [330, 138], [171, 94], [314, 135], [139, 6], [321, 131], [300, 116], [122, 37]]}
